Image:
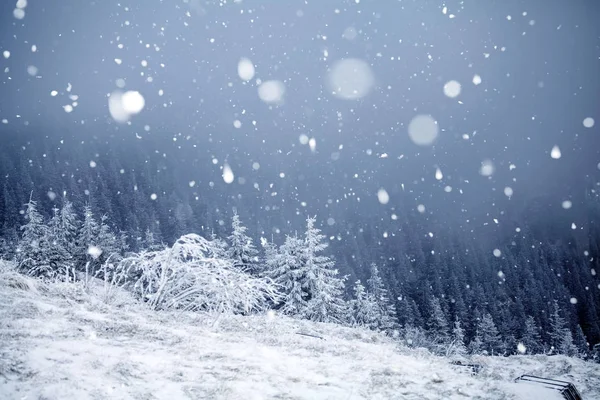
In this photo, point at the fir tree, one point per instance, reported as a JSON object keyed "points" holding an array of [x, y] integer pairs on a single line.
{"points": [[385, 308], [34, 243], [438, 325], [87, 241], [324, 288], [241, 248], [458, 347], [581, 342], [488, 338], [364, 308], [531, 339], [285, 268], [559, 339]]}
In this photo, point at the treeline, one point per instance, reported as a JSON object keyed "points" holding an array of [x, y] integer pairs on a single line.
{"points": [[297, 278], [444, 282]]}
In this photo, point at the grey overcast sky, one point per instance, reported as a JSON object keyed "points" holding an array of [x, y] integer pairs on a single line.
{"points": [[529, 75]]}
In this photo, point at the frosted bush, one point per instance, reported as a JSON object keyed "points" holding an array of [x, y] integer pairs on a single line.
{"points": [[190, 276]]}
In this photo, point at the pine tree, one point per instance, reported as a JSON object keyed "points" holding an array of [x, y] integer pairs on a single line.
{"points": [[324, 288], [488, 338], [285, 268], [567, 346], [386, 310], [364, 308], [531, 339], [69, 227], [150, 242], [438, 325], [33, 245], [58, 256], [560, 340], [242, 251], [458, 347], [87, 241], [108, 242], [581, 342]]}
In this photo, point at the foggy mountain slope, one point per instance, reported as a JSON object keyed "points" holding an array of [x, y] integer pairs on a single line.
{"points": [[58, 342]]}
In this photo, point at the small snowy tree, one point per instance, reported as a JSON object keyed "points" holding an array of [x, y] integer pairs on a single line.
{"points": [[457, 343], [69, 227], [561, 338], [58, 255], [531, 339], [324, 288], [438, 325], [487, 339], [285, 268], [150, 241], [364, 308], [87, 241], [386, 309], [567, 345], [241, 249], [581, 342], [34, 245]]}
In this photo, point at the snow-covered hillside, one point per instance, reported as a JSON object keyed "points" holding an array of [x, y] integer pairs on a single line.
{"points": [[59, 342]]}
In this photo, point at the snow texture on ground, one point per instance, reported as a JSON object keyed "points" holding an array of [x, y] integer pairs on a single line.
{"points": [[59, 342]]}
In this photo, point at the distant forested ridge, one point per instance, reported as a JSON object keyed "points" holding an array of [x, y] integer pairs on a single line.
{"points": [[435, 283]]}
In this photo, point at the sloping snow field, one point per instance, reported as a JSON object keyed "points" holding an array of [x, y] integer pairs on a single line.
{"points": [[58, 342]]}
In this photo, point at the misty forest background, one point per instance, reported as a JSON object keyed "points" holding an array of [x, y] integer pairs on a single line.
{"points": [[536, 284]]}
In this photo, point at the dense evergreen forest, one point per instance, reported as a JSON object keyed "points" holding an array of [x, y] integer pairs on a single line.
{"points": [[538, 285]]}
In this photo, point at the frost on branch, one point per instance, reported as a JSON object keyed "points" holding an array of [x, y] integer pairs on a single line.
{"points": [[191, 276]]}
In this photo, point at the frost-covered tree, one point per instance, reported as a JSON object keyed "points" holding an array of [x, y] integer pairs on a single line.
{"points": [[34, 245], [58, 255], [438, 324], [581, 342], [364, 308], [323, 286], [87, 241], [561, 338], [69, 227], [487, 339], [150, 241], [242, 251], [387, 319], [286, 269], [189, 276], [457, 343], [567, 345], [107, 241], [532, 339]]}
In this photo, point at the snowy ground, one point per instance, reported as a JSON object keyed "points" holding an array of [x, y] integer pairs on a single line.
{"points": [[57, 342]]}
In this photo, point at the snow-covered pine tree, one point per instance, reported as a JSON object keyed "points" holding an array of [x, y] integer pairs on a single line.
{"points": [[242, 251], [87, 241], [559, 339], [438, 324], [531, 339], [324, 287], [31, 256], [364, 309], [567, 345], [107, 241], [457, 344], [387, 311], [286, 269], [488, 338], [58, 256], [150, 242], [69, 227], [581, 342]]}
